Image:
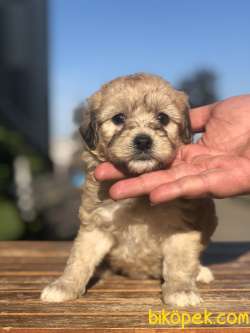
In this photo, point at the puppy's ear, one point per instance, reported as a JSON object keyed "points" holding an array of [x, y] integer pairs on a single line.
{"points": [[88, 128], [183, 105], [186, 133]]}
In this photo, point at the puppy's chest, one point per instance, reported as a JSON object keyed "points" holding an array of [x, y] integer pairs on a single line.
{"points": [[134, 217]]}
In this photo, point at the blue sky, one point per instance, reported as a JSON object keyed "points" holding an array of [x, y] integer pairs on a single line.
{"points": [[93, 41]]}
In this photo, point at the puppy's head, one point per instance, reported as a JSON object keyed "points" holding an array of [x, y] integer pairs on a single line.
{"points": [[136, 122]]}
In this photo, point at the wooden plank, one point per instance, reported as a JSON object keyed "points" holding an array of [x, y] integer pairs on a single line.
{"points": [[113, 303], [214, 286], [127, 330], [130, 330], [218, 298], [85, 321], [82, 321]]}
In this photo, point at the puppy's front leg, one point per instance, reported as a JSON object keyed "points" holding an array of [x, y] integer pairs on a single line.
{"points": [[180, 267], [88, 250]]}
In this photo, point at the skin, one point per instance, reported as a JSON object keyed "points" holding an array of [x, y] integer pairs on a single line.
{"points": [[218, 165]]}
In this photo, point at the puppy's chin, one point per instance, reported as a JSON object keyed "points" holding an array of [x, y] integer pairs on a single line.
{"points": [[142, 166]]}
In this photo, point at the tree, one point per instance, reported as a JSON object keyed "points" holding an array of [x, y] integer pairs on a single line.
{"points": [[200, 87]]}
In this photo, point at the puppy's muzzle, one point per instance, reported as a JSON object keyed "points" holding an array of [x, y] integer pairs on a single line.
{"points": [[143, 143]]}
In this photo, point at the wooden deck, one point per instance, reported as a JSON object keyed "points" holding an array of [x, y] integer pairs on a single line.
{"points": [[116, 304]]}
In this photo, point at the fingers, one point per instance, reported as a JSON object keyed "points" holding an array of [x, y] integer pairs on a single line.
{"points": [[106, 171], [215, 176], [183, 179], [188, 186], [199, 116], [144, 184], [133, 187], [219, 183]]}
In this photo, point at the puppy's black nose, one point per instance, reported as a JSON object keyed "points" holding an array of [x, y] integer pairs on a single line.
{"points": [[143, 142]]}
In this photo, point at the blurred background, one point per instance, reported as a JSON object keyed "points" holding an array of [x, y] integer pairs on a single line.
{"points": [[53, 54]]}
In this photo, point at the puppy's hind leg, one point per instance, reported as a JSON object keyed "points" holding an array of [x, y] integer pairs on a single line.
{"points": [[205, 275], [88, 250], [180, 268]]}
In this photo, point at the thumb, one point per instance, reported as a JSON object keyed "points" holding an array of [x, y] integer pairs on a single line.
{"points": [[199, 117]]}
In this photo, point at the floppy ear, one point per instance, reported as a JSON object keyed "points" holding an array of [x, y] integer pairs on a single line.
{"points": [[186, 132], [183, 105], [88, 129]]}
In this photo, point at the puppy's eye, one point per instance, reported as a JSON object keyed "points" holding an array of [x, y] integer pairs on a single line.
{"points": [[163, 118], [119, 119]]}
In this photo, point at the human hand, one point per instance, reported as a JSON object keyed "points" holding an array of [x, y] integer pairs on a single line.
{"points": [[218, 164]]}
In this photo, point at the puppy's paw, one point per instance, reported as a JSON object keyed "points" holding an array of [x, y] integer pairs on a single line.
{"points": [[58, 291], [180, 298], [205, 275]]}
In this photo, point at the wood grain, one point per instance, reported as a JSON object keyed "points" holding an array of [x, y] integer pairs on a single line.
{"points": [[116, 304]]}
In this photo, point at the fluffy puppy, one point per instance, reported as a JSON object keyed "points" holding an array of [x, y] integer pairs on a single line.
{"points": [[137, 122]]}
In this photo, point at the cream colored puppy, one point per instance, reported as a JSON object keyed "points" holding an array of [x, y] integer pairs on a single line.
{"points": [[137, 122]]}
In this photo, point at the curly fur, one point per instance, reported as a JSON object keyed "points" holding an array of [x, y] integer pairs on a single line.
{"points": [[137, 239]]}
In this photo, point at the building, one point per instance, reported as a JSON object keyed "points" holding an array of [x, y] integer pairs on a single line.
{"points": [[24, 70]]}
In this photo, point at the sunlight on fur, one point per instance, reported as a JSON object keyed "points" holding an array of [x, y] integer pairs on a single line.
{"points": [[137, 122]]}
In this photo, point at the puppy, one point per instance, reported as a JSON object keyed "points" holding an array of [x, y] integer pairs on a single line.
{"points": [[137, 122]]}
